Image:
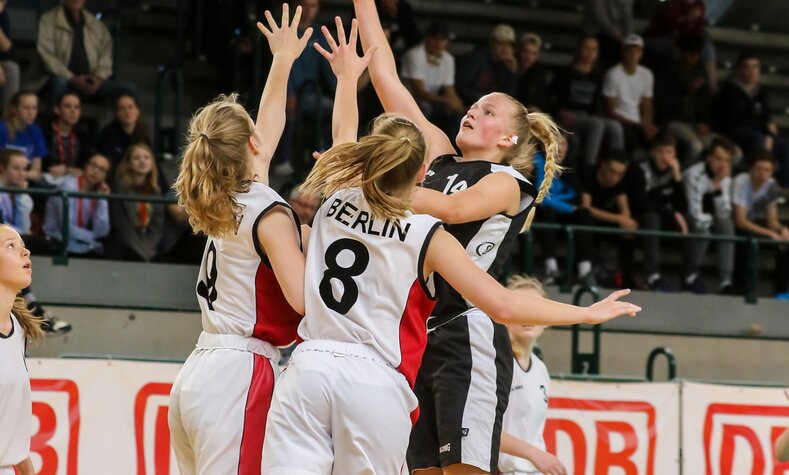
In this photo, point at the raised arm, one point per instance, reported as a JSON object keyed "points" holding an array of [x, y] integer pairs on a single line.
{"points": [[447, 257], [393, 94], [286, 46], [492, 195], [347, 66], [277, 235]]}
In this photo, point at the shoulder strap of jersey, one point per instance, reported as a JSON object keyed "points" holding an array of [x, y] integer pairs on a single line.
{"points": [[524, 184]]}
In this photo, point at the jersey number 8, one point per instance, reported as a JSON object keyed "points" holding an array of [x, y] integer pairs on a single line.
{"points": [[350, 291]]}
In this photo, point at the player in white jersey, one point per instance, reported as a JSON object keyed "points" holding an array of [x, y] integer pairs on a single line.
{"points": [[17, 325], [345, 403], [522, 444], [251, 282], [485, 199]]}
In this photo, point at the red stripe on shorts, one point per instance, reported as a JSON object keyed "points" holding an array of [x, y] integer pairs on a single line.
{"points": [[258, 402]]}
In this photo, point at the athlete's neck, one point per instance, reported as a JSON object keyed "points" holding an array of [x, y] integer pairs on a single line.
{"points": [[7, 298], [525, 348], [257, 171], [482, 154]]}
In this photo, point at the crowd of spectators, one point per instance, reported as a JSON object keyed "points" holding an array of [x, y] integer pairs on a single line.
{"points": [[654, 140]]}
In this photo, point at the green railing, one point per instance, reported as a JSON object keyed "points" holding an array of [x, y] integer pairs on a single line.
{"points": [[570, 231], [527, 243], [61, 257]]}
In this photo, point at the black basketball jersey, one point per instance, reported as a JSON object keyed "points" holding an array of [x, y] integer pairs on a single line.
{"points": [[488, 242]]}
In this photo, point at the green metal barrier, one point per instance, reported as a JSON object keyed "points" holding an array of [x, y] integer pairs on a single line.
{"points": [[670, 359], [61, 258], [585, 363], [570, 231]]}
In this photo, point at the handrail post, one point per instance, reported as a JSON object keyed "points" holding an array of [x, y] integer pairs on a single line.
{"points": [[157, 109], [670, 359], [61, 258], [566, 285], [585, 363], [753, 279]]}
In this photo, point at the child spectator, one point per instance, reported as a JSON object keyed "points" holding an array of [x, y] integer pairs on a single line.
{"points": [[127, 128], [532, 77], [19, 131], [577, 91], [658, 202], [89, 218], [68, 145], [755, 200], [708, 192], [559, 206], [605, 197], [136, 225]]}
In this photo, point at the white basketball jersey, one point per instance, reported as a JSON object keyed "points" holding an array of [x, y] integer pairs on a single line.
{"points": [[364, 281], [236, 288], [526, 412], [15, 398]]}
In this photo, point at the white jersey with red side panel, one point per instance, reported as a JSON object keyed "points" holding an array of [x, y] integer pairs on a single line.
{"points": [[236, 288], [364, 282]]}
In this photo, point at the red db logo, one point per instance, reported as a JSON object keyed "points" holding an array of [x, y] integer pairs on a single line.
{"points": [[740, 439], [151, 433], [55, 425], [603, 435]]}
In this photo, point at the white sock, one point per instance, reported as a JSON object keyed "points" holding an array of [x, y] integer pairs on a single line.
{"points": [[584, 267], [652, 278], [551, 266], [691, 278], [724, 283]]}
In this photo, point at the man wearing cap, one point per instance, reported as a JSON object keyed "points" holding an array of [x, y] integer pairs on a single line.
{"points": [[628, 88], [429, 73], [489, 70]]}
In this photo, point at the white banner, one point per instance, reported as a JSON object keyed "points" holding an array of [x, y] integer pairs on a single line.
{"points": [[611, 428], [101, 417], [730, 430]]}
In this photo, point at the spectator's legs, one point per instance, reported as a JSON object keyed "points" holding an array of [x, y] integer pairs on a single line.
{"points": [[583, 241], [650, 222], [591, 129], [694, 252], [615, 134], [781, 154], [547, 239], [724, 250], [692, 146], [781, 278], [11, 70]]}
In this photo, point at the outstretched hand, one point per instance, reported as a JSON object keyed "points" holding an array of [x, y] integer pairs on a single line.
{"points": [[283, 40], [343, 57], [610, 307]]}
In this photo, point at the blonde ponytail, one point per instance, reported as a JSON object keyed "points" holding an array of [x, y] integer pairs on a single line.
{"points": [[215, 166], [29, 322], [383, 164], [528, 126]]}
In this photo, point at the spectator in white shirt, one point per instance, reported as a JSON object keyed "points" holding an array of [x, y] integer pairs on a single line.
{"points": [[429, 73], [628, 89]]}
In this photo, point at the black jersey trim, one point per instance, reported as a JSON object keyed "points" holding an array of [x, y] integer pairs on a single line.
{"points": [[268, 208], [11, 333], [421, 261]]}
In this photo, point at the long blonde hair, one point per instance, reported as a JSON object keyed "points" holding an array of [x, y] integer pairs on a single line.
{"points": [[125, 174], [383, 164], [215, 166], [522, 282], [528, 126]]}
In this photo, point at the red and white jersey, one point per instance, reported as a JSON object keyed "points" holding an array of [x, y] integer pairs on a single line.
{"points": [[236, 288], [364, 282]]}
